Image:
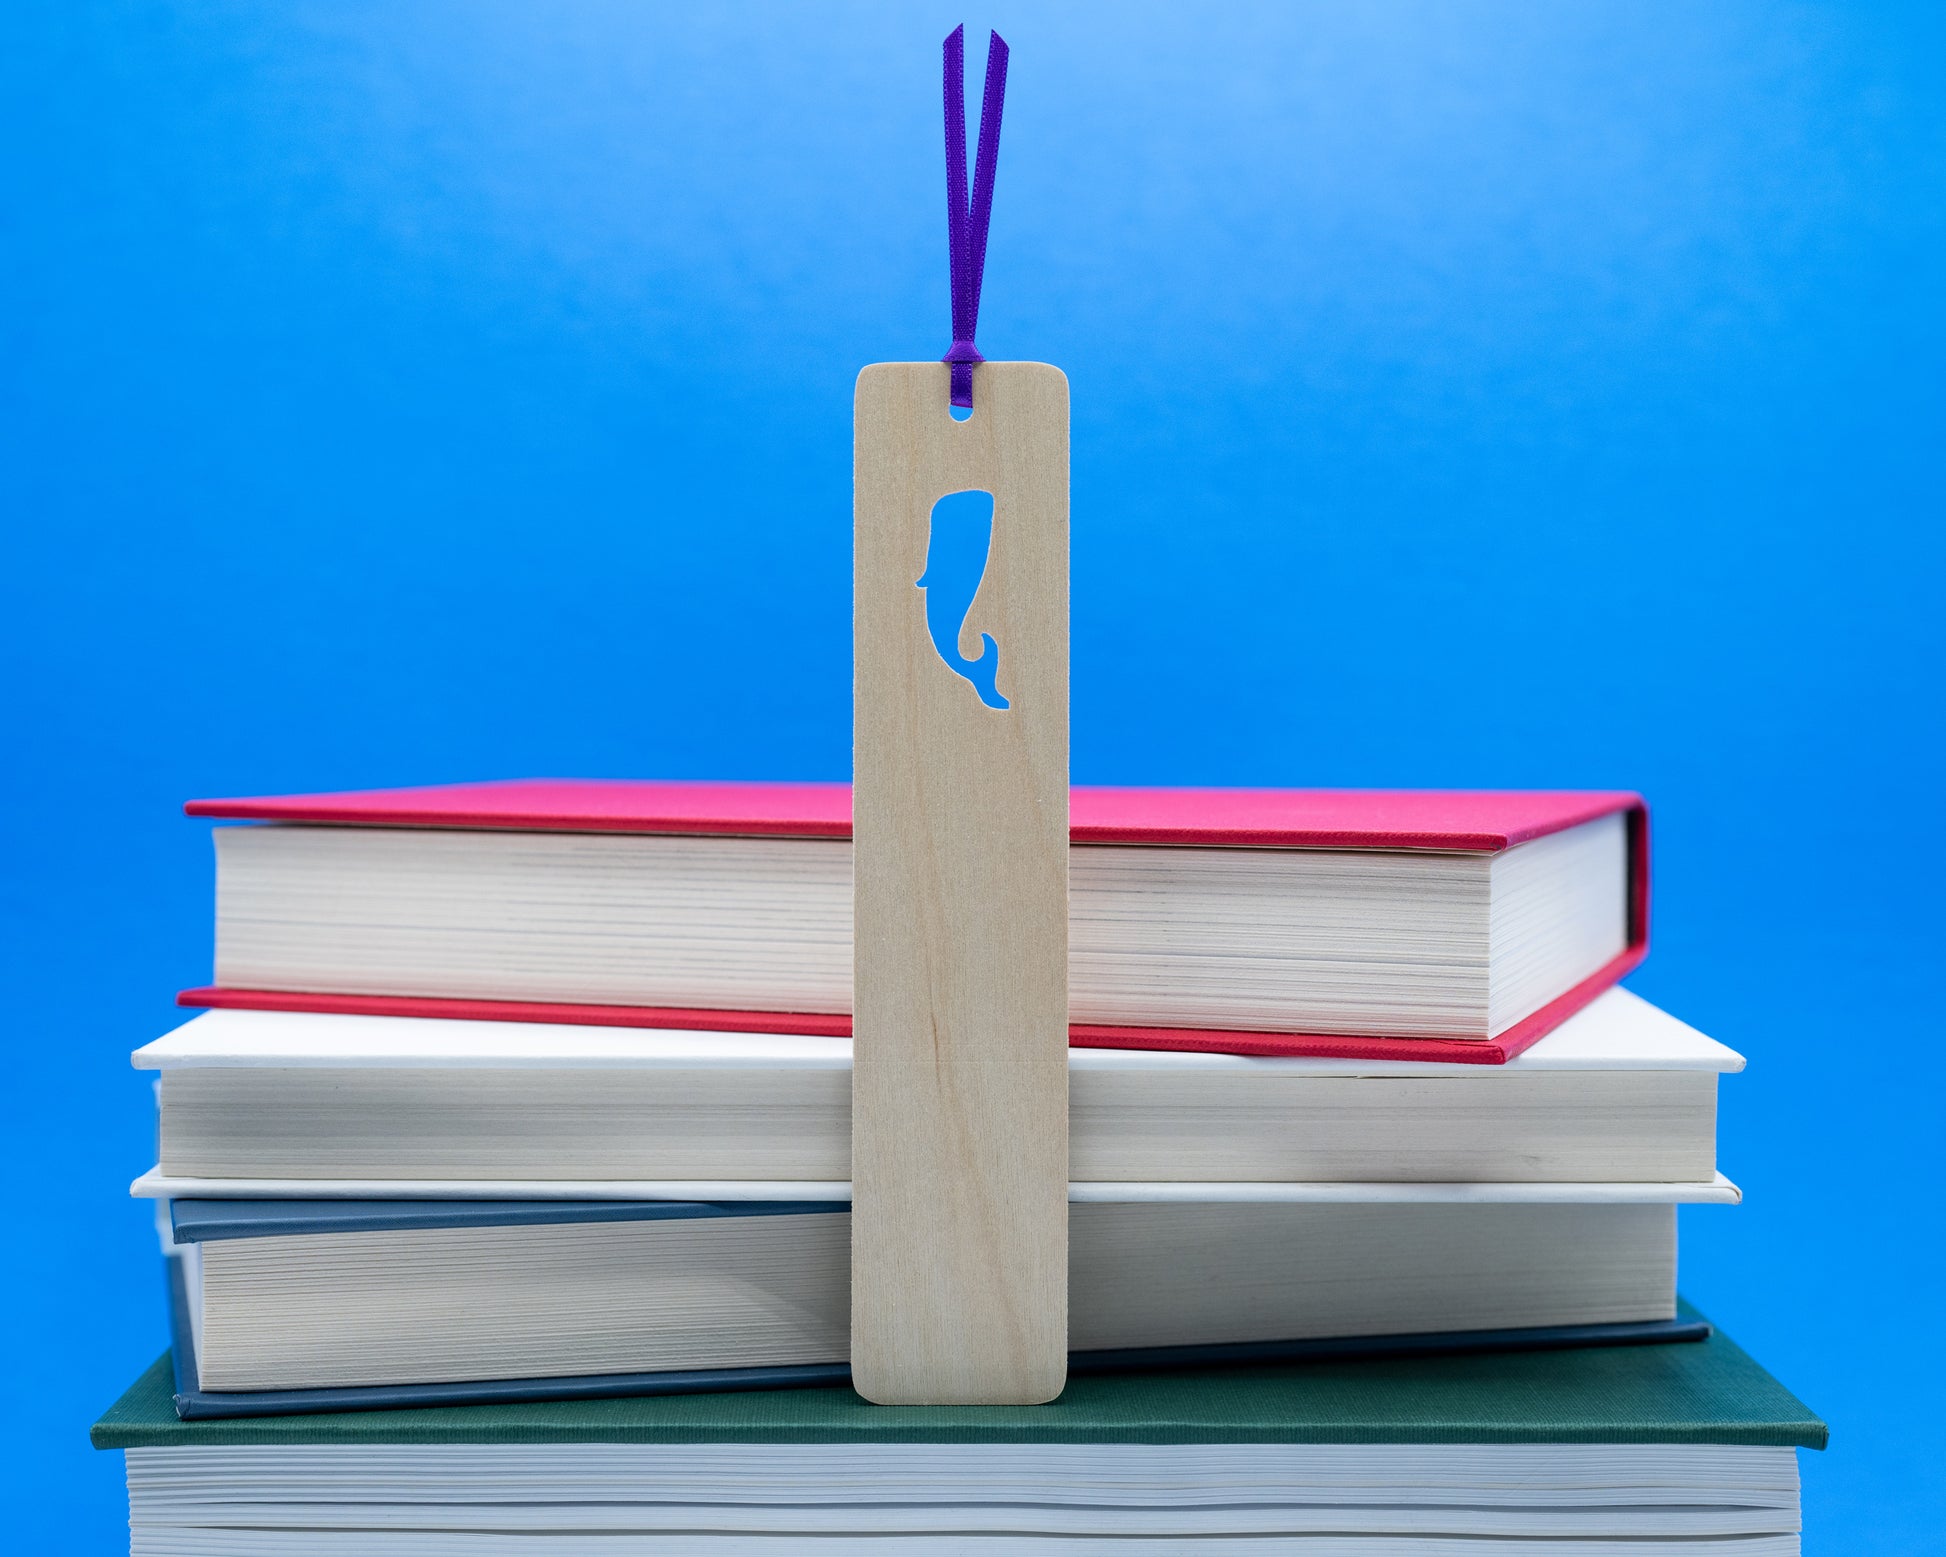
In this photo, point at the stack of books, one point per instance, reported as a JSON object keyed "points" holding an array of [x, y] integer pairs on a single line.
{"points": [[504, 1193]]}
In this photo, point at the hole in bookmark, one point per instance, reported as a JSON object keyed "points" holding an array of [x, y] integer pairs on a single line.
{"points": [[958, 541]]}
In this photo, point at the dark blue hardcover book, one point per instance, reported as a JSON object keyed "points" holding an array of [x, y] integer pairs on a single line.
{"points": [[205, 1221], [197, 1221]]}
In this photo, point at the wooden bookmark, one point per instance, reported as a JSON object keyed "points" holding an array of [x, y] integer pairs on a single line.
{"points": [[960, 822]]}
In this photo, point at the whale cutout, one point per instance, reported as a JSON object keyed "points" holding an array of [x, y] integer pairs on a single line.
{"points": [[958, 541]]}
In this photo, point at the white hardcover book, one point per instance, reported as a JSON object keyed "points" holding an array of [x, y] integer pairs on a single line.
{"points": [[1619, 1093]]}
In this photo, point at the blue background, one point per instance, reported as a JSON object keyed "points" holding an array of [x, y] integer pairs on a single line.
{"points": [[1464, 394]]}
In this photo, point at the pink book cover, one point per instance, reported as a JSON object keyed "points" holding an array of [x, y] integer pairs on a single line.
{"points": [[1484, 821]]}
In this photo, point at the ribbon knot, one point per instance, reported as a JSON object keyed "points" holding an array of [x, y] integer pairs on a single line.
{"points": [[967, 217]]}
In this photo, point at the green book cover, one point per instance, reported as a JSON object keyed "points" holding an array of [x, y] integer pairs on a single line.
{"points": [[1694, 1392]]}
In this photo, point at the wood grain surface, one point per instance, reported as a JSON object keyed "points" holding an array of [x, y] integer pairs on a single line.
{"points": [[960, 816]]}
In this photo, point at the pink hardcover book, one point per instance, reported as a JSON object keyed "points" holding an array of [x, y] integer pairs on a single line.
{"points": [[1476, 823]]}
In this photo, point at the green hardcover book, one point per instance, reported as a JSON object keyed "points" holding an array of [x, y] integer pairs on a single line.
{"points": [[1666, 1449]]}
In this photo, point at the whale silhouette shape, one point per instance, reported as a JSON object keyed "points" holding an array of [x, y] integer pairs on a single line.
{"points": [[958, 540]]}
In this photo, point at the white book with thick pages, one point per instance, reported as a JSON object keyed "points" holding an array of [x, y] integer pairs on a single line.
{"points": [[1619, 1093], [955, 1499], [1429, 942]]}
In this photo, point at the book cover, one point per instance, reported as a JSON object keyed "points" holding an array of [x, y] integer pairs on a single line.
{"points": [[1620, 1031], [1718, 1190]]}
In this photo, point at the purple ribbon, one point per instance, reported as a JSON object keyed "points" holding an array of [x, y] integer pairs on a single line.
{"points": [[966, 221]]}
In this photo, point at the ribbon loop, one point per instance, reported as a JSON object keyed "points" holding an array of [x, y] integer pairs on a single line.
{"points": [[967, 216]]}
